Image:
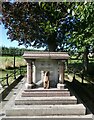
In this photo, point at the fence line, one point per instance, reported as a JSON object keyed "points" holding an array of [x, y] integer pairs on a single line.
{"points": [[4, 81], [80, 75]]}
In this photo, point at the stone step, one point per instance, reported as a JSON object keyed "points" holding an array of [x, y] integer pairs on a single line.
{"points": [[81, 117], [45, 100], [46, 94], [45, 90], [45, 110]]}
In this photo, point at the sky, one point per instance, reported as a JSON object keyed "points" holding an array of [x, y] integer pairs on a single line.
{"points": [[4, 41], [3, 38]]}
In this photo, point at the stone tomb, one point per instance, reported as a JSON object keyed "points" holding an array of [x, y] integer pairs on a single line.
{"points": [[38, 62], [45, 104]]}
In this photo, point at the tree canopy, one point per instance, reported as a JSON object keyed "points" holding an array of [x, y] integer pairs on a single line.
{"points": [[38, 24], [50, 24], [53, 25], [83, 35], [82, 38]]}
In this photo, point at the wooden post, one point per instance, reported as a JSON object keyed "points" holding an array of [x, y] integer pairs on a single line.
{"points": [[14, 69], [82, 75], [20, 70], [7, 80]]}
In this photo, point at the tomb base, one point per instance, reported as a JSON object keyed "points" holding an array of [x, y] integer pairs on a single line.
{"points": [[29, 86], [60, 86]]}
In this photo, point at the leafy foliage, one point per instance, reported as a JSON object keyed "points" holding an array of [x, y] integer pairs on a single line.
{"points": [[83, 35], [38, 24], [11, 51], [82, 38]]}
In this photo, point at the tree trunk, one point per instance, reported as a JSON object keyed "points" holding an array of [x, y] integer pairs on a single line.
{"points": [[52, 46], [85, 59]]}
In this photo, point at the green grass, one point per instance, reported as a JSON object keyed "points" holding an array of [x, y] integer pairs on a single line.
{"points": [[77, 66], [7, 62], [7, 67], [11, 75]]}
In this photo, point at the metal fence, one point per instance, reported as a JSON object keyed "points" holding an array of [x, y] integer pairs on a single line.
{"points": [[9, 78], [75, 67]]}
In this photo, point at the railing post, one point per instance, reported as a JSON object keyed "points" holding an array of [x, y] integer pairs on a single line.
{"points": [[20, 70], [7, 80], [74, 72], [82, 76], [14, 69], [14, 74]]}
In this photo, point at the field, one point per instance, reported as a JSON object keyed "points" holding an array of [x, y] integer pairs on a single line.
{"points": [[7, 67], [7, 62]]}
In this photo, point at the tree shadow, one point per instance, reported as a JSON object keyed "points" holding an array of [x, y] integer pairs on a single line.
{"points": [[78, 67], [84, 92]]}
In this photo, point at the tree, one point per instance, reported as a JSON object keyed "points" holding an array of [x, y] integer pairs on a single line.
{"points": [[38, 24], [55, 26], [82, 38]]}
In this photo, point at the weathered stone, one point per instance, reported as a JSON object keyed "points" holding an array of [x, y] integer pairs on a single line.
{"points": [[60, 86], [45, 100], [69, 117], [45, 94], [38, 62], [46, 110]]}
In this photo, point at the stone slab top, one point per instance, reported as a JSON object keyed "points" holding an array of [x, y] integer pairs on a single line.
{"points": [[46, 55]]}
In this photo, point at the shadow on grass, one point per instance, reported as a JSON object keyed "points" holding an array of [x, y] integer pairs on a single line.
{"points": [[78, 67], [84, 92], [12, 68]]}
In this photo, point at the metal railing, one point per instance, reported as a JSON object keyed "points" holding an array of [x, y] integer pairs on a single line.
{"points": [[9, 78]]}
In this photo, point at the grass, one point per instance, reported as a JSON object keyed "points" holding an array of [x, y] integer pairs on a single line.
{"points": [[8, 61], [7, 67], [75, 66]]}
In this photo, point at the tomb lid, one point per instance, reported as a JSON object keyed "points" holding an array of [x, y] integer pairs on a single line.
{"points": [[46, 55]]}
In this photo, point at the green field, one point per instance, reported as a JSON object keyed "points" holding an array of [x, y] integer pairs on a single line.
{"points": [[7, 62], [7, 67]]}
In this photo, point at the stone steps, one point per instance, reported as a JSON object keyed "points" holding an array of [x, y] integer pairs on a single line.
{"points": [[45, 110], [45, 104], [81, 117], [46, 94], [45, 90], [45, 100]]}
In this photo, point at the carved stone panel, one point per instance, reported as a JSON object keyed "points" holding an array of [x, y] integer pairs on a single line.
{"points": [[47, 65]]}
